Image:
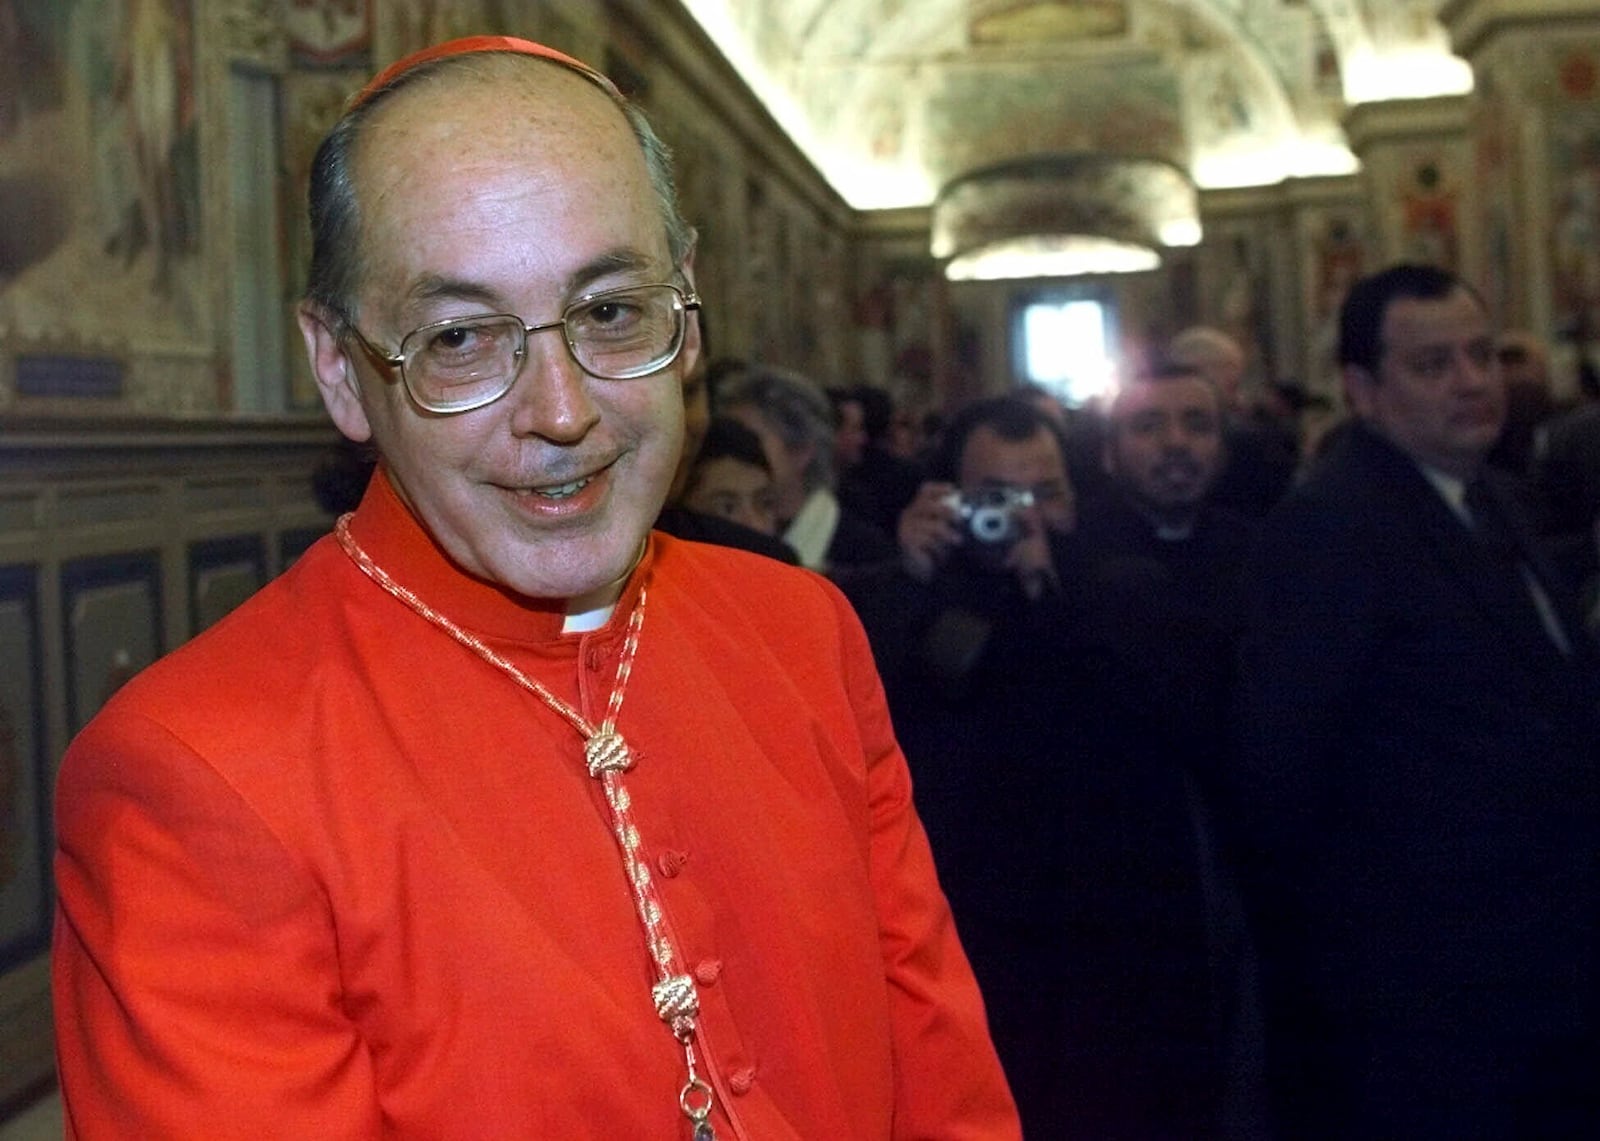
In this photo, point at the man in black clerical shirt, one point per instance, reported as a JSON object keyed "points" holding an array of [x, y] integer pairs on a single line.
{"points": [[1164, 452]]}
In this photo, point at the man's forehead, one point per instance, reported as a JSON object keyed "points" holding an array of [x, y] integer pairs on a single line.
{"points": [[991, 456], [1168, 394], [501, 151], [1412, 323], [493, 96]]}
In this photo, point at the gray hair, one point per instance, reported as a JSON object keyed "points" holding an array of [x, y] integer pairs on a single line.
{"points": [[797, 410], [336, 265]]}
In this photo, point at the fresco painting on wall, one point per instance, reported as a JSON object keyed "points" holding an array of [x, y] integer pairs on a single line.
{"points": [[1575, 224], [768, 317], [311, 104], [1336, 245], [99, 172], [872, 321], [414, 24], [1574, 166], [329, 32], [1495, 176], [699, 168], [1238, 295], [912, 344], [1428, 213]]}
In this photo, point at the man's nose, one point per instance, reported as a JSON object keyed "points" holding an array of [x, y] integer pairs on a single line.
{"points": [[553, 396], [1175, 438], [1473, 373]]}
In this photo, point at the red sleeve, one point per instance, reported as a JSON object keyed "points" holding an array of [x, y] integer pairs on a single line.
{"points": [[949, 1085], [196, 979]]}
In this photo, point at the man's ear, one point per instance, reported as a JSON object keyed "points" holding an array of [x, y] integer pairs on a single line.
{"points": [[692, 342], [1360, 390], [337, 382]]}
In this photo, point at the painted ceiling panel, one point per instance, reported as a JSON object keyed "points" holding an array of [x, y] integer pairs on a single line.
{"points": [[896, 98]]}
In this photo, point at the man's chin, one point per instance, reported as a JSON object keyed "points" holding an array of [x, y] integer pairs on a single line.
{"points": [[574, 570], [1183, 498]]}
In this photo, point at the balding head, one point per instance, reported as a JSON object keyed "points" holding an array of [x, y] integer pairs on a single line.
{"points": [[1214, 355], [335, 200]]}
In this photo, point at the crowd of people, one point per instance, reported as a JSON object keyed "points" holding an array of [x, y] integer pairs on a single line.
{"points": [[1263, 794], [1148, 772]]}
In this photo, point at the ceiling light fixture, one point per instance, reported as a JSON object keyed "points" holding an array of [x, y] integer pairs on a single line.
{"points": [[1062, 216]]}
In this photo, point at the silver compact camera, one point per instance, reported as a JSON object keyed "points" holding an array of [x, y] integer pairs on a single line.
{"points": [[992, 516]]}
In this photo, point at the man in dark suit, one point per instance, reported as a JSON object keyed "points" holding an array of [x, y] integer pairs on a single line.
{"points": [[1414, 785]]}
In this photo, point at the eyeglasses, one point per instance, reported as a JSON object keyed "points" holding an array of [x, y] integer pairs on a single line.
{"points": [[617, 334]]}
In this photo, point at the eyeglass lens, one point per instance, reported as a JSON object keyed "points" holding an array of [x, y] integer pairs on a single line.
{"points": [[617, 335]]}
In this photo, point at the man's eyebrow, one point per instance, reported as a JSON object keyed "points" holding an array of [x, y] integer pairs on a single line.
{"points": [[436, 287], [621, 260]]}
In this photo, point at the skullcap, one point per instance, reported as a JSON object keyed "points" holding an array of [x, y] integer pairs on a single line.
{"points": [[467, 46]]}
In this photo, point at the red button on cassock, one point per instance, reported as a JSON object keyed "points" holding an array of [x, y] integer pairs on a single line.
{"points": [[708, 971]]}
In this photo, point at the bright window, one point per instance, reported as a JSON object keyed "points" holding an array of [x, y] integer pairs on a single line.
{"points": [[1065, 347]]}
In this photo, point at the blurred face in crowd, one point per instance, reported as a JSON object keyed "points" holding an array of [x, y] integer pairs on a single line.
{"points": [[905, 435], [850, 436], [788, 464], [990, 461], [1437, 395], [1165, 444], [696, 420], [515, 189], [733, 489], [1522, 361], [1217, 357]]}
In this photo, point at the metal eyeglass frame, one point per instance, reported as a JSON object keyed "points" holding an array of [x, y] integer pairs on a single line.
{"points": [[686, 302]]}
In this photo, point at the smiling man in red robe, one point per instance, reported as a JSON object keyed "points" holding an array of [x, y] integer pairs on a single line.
{"points": [[498, 815]]}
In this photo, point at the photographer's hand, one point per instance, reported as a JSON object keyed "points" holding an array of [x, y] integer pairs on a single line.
{"points": [[927, 530], [1030, 556]]}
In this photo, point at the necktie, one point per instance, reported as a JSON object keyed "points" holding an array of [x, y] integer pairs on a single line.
{"points": [[1489, 524], [1502, 541]]}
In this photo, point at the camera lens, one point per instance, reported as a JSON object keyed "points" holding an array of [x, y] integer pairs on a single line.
{"points": [[991, 524]]}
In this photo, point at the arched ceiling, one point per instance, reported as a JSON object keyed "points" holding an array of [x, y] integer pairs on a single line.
{"points": [[896, 99]]}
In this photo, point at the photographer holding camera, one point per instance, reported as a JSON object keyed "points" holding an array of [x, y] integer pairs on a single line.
{"points": [[1012, 494], [1040, 746]]}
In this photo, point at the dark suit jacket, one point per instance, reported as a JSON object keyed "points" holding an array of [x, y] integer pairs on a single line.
{"points": [[1567, 472], [1047, 767], [878, 488], [703, 528], [1413, 789]]}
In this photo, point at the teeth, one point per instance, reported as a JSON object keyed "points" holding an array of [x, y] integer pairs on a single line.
{"points": [[562, 491]]}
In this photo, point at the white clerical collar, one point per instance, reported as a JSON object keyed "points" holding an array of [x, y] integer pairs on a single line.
{"points": [[1451, 488], [810, 532], [594, 609], [587, 620]]}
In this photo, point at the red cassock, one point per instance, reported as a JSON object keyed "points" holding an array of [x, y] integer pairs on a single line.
{"points": [[323, 873]]}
